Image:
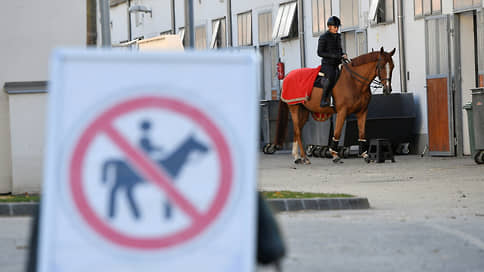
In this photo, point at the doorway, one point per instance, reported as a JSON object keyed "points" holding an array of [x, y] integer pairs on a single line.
{"points": [[468, 69]]}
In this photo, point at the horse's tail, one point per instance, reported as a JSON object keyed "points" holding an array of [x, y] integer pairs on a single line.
{"points": [[282, 120], [105, 169]]}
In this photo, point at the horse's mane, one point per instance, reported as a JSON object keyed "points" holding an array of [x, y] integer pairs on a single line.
{"points": [[366, 58]]}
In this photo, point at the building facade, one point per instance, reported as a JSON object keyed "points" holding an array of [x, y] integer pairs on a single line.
{"points": [[30, 30], [440, 46], [440, 56]]}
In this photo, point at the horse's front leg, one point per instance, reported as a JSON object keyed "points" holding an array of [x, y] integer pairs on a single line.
{"points": [[333, 147], [363, 143]]}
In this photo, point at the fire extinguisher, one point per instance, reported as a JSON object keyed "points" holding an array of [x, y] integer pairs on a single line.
{"points": [[280, 70]]}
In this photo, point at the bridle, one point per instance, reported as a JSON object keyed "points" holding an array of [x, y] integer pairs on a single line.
{"points": [[374, 83]]}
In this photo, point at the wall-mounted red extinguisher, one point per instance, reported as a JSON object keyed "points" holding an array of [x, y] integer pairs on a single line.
{"points": [[280, 70]]}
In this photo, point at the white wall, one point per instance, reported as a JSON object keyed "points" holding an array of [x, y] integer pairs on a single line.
{"points": [[27, 122], [30, 30], [119, 23], [144, 24], [416, 66]]}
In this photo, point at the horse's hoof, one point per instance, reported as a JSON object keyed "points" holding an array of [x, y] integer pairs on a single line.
{"points": [[298, 161], [367, 159], [307, 161]]}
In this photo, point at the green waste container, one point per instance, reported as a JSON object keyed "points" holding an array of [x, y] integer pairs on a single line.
{"points": [[470, 122], [478, 124]]}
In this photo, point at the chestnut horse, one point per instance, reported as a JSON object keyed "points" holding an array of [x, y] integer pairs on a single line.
{"points": [[351, 95]]}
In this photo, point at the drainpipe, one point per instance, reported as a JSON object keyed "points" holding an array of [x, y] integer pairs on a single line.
{"points": [[300, 24], [229, 23], [130, 35], [401, 44], [173, 27], [105, 24], [189, 31], [91, 35]]}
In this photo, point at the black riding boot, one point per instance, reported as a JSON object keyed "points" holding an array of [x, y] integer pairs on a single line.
{"points": [[324, 99]]}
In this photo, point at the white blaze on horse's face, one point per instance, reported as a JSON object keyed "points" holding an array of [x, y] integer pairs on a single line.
{"points": [[386, 79]]}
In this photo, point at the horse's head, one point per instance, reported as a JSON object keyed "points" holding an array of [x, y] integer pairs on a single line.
{"points": [[384, 69], [195, 145]]}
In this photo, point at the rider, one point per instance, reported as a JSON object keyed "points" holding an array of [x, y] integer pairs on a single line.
{"points": [[145, 141], [331, 52]]}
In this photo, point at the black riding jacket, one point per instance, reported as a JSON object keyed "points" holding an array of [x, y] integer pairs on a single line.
{"points": [[329, 48]]}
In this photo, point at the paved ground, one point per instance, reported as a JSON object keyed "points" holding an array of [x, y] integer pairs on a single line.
{"points": [[14, 233], [427, 215]]}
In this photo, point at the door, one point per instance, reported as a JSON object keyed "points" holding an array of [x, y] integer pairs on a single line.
{"points": [[270, 82], [439, 93], [480, 46], [468, 72]]}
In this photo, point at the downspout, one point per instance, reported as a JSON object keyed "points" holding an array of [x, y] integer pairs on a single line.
{"points": [[173, 26], [300, 24], [229, 23], [189, 31], [105, 24], [401, 44], [91, 35], [130, 35]]}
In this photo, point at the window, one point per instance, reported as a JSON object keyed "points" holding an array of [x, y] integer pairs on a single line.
{"points": [[321, 12], [286, 22], [427, 7], [354, 43], [200, 37], [381, 11], [244, 28], [218, 34], [265, 27], [349, 13], [463, 4]]}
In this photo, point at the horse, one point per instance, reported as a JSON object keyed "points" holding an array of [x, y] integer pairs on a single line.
{"points": [[127, 178], [351, 95]]}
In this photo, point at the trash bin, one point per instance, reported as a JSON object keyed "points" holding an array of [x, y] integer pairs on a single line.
{"points": [[268, 123], [470, 122], [478, 123]]}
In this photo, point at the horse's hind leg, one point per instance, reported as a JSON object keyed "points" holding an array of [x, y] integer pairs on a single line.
{"points": [[297, 125], [303, 117]]}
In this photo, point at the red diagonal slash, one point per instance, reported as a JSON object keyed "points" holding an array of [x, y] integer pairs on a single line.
{"points": [[152, 172]]}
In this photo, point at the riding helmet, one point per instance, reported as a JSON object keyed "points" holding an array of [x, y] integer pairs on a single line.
{"points": [[334, 21]]}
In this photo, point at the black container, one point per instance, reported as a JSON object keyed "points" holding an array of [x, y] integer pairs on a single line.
{"points": [[478, 117], [390, 117], [268, 123]]}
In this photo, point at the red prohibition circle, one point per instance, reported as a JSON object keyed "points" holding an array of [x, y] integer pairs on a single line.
{"points": [[103, 124]]}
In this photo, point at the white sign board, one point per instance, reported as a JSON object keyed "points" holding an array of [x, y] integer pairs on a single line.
{"points": [[150, 162]]}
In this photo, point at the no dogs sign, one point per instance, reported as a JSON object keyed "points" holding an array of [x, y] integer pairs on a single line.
{"points": [[150, 162]]}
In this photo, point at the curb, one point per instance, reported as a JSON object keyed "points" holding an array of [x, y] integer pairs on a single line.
{"points": [[18, 209], [290, 205], [277, 205]]}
